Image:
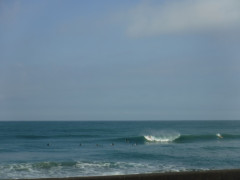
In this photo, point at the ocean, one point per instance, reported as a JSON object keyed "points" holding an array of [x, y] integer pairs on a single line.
{"points": [[95, 148]]}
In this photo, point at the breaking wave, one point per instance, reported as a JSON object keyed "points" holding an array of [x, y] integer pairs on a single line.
{"points": [[78, 168], [178, 138], [163, 138]]}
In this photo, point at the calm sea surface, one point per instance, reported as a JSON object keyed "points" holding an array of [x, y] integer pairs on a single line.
{"points": [[66, 149]]}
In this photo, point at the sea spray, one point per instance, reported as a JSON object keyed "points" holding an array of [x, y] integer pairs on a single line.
{"points": [[78, 168], [162, 136]]}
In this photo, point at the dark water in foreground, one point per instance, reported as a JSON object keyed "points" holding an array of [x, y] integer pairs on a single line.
{"points": [[64, 149]]}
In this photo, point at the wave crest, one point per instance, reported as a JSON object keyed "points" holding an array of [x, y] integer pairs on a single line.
{"points": [[163, 137]]}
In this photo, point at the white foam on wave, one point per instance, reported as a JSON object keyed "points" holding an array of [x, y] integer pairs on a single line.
{"points": [[162, 136], [69, 169], [79, 168]]}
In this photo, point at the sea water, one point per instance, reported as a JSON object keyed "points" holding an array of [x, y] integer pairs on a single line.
{"points": [[73, 149]]}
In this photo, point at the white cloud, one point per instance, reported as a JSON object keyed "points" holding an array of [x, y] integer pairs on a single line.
{"points": [[148, 19]]}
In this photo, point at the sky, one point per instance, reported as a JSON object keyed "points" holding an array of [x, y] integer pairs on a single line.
{"points": [[119, 60]]}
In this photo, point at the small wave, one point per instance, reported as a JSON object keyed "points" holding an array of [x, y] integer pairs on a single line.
{"points": [[206, 137], [195, 138], [70, 169], [230, 136], [161, 138], [178, 138]]}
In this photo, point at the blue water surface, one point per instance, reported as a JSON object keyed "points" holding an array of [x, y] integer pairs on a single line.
{"points": [[72, 148]]}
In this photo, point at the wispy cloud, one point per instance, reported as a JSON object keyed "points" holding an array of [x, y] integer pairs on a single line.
{"points": [[156, 18]]}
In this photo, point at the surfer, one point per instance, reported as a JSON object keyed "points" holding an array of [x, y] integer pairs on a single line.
{"points": [[219, 135]]}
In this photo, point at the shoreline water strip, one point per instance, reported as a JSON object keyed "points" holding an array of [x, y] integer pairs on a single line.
{"points": [[228, 174]]}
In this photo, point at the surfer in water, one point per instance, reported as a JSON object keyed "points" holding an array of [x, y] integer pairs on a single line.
{"points": [[219, 135]]}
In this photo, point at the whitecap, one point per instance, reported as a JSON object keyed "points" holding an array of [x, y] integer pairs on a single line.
{"points": [[162, 136]]}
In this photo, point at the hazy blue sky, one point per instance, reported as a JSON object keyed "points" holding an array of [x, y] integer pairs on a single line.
{"points": [[119, 60]]}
